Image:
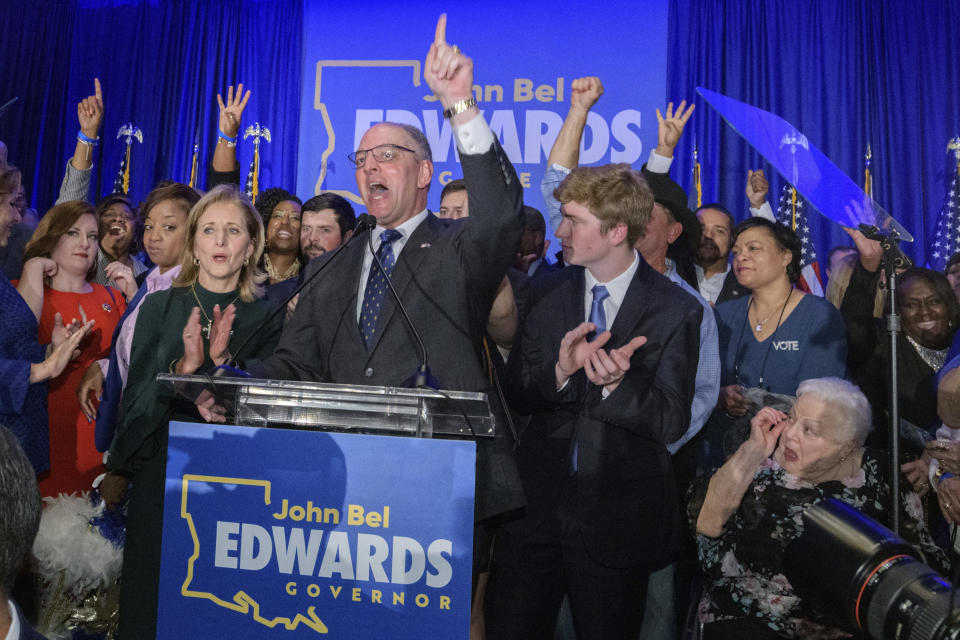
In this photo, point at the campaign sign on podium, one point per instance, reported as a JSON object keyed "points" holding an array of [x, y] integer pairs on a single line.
{"points": [[277, 533]]}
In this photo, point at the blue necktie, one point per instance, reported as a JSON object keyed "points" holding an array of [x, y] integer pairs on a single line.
{"points": [[377, 286], [598, 317], [597, 314]]}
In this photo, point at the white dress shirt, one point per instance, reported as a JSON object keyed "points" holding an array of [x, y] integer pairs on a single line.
{"points": [[473, 138]]}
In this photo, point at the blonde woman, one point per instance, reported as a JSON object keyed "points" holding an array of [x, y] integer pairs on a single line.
{"points": [[213, 306]]}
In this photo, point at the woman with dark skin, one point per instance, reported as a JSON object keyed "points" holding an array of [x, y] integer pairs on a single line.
{"points": [[281, 211], [930, 316]]}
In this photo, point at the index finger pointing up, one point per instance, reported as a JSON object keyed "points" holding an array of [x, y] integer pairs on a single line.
{"points": [[96, 89], [441, 35]]}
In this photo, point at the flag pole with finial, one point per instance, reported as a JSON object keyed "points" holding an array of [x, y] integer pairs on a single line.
{"points": [[256, 131]]}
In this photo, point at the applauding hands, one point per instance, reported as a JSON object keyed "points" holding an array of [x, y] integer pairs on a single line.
{"points": [[603, 368]]}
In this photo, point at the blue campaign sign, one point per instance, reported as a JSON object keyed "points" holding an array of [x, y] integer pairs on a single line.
{"points": [[276, 533], [525, 55]]}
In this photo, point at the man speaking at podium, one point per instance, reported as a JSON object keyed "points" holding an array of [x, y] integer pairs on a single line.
{"points": [[347, 328]]}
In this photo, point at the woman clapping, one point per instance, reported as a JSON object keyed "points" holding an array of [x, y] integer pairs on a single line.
{"points": [[190, 328]]}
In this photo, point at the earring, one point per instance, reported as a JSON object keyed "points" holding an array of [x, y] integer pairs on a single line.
{"points": [[196, 262]]}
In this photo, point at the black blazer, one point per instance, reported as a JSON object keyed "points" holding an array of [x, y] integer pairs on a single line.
{"points": [[447, 276], [622, 496]]}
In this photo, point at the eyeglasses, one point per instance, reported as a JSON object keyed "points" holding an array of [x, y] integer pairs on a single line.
{"points": [[382, 153]]}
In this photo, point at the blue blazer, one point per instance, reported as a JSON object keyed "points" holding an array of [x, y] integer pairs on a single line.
{"points": [[113, 385]]}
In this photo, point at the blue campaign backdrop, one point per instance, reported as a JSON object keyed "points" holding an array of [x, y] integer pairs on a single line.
{"points": [[846, 73], [525, 57], [276, 533]]}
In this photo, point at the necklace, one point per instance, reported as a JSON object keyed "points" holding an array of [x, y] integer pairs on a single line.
{"points": [[291, 271], [209, 326], [763, 364], [759, 326], [935, 358]]}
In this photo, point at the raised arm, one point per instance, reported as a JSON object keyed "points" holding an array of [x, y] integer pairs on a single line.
{"points": [[670, 127], [76, 180], [757, 189], [584, 93], [731, 481], [224, 167]]}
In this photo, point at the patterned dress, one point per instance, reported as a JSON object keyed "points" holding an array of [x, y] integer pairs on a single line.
{"points": [[744, 565]]}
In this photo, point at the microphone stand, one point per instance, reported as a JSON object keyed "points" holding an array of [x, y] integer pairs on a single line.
{"points": [[422, 379], [893, 259], [365, 222]]}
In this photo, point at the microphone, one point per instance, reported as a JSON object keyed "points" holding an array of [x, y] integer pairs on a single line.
{"points": [[365, 222], [422, 379]]}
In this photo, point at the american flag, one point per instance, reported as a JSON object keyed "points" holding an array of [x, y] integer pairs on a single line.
{"points": [[946, 241], [252, 186], [121, 184], [810, 280]]}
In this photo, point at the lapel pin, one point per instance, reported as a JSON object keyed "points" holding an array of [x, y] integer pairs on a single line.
{"points": [[425, 245]]}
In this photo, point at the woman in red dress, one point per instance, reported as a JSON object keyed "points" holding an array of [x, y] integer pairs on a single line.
{"points": [[67, 237]]}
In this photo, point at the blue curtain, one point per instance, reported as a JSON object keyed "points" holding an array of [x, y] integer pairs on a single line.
{"points": [[844, 72], [161, 65]]}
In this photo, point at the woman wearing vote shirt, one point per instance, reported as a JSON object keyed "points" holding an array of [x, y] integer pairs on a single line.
{"points": [[772, 339], [216, 301]]}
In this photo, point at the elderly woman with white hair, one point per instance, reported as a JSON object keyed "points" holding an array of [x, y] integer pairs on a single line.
{"points": [[751, 509]]}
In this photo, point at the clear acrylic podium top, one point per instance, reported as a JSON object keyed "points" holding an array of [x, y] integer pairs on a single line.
{"points": [[343, 407]]}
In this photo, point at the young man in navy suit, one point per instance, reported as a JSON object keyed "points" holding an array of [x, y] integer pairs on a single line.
{"points": [[606, 366]]}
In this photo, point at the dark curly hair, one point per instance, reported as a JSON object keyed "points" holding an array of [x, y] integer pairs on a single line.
{"points": [[269, 199], [785, 238]]}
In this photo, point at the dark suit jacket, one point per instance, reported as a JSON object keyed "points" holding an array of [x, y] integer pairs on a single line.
{"points": [[622, 497], [447, 276], [544, 267], [26, 631], [731, 289]]}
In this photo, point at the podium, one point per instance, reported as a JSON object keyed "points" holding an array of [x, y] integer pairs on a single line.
{"points": [[343, 407], [306, 516]]}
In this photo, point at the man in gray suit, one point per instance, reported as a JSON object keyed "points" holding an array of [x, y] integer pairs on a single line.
{"points": [[347, 329]]}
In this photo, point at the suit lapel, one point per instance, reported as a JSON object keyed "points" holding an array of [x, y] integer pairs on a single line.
{"points": [[349, 291], [633, 308], [415, 250]]}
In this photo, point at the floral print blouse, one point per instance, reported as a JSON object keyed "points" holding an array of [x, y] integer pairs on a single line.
{"points": [[743, 566]]}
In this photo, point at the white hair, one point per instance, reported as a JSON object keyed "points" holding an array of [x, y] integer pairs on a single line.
{"points": [[846, 404]]}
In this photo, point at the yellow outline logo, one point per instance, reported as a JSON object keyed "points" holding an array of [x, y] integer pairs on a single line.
{"points": [[328, 126], [242, 603]]}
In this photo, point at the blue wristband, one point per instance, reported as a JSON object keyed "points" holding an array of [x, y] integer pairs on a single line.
{"points": [[91, 141], [221, 134]]}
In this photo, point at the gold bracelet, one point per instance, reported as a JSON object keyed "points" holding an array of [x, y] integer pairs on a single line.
{"points": [[173, 364], [459, 107]]}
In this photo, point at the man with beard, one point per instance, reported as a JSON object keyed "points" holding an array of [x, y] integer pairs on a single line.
{"points": [[326, 223], [715, 278]]}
